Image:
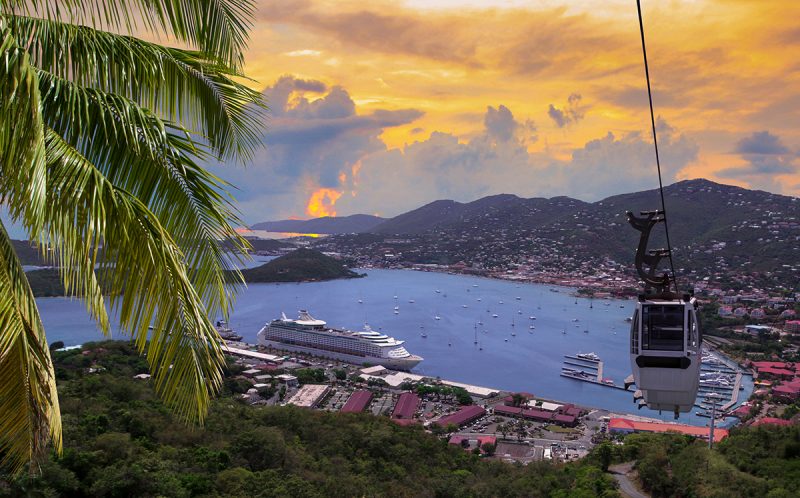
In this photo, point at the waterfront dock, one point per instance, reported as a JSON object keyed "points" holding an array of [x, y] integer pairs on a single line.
{"points": [[734, 394], [590, 380], [595, 377]]}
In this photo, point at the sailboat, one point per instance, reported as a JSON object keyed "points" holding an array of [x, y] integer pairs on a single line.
{"points": [[423, 334], [476, 334]]}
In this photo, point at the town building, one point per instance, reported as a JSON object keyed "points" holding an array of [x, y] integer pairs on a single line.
{"points": [[462, 417], [357, 402], [626, 426]]}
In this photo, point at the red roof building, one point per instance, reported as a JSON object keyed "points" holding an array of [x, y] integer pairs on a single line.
{"points": [[463, 416], [626, 426], [769, 364], [537, 415], [771, 421], [406, 406], [742, 411], [780, 373], [357, 402], [507, 410], [786, 392], [565, 420]]}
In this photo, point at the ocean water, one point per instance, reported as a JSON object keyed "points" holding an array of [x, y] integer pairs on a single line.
{"points": [[514, 356]]}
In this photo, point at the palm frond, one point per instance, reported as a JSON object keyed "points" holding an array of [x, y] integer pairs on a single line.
{"points": [[145, 271], [22, 168], [151, 160], [218, 28], [181, 85], [29, 412]]}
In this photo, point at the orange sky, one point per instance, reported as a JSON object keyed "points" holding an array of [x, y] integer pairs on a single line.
{"points": [[391, 104]]}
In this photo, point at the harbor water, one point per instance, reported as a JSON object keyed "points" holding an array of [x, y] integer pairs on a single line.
{"points": [[522, 348]]}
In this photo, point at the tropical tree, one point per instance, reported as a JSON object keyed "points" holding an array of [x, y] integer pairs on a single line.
{"points": [[102, 137]]}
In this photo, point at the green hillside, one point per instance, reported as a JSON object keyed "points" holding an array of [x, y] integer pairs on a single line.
{"points": [[301, 265]]}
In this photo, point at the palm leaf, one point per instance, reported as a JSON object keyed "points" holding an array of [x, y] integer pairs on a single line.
{"points": [[140, 258], [22, 173], [216, 27], [183, 85], [149, 159], [29, 413]]}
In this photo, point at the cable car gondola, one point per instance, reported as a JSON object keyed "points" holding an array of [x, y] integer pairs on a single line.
{"points": [[665, 335]]}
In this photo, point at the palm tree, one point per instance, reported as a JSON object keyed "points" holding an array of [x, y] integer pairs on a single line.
{"points": [[101, 139]]}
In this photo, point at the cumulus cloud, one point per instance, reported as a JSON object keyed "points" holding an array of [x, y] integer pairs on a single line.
{"points": [[499, 123], [761, 143], [571, 113], [318, 140], [314, 137], [493, 162], [765, 156]]}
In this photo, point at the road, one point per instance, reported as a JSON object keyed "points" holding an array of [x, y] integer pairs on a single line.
{"points": [[626, 486]]}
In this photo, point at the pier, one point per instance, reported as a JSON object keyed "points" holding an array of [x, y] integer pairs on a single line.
{"points": [[734, 394], [586, 363], [590, 380]]}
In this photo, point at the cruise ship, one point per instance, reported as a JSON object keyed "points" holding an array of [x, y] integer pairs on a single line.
{"points": [[306, 334]]}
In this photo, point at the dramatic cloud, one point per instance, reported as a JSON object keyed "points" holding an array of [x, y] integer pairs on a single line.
{"points": [[499, 123], [351, 120], [571, 113], [761, 143], [765, 156], [311, 145], [444, 167]]}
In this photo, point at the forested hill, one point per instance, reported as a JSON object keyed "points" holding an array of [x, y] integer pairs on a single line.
{"points": [[120, 440], [300, 265]]}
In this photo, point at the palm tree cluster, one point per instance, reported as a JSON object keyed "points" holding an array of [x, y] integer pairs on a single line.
{"points": [[103, 137]]}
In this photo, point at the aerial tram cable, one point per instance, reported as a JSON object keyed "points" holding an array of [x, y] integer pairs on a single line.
{"points": [[665, 342], [655, 142]]}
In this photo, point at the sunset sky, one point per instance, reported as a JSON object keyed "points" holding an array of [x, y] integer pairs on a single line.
{"points": [[379, 107]]}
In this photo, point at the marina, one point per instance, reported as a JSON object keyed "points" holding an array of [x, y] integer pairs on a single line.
{"points": [[531, 362]]}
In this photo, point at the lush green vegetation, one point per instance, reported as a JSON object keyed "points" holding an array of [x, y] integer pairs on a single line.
{"points": [[299, 266], [46, 282], [755, 462], [121, 440]]}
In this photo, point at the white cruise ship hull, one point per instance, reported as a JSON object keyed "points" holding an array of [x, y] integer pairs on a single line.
{"points": [[405, 364]]}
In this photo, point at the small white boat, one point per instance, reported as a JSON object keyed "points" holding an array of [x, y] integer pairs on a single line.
{"points": [[411, 301], [532, 317], [437, 317], [438, 291], [531, 327], [464, 306], [494, 315], [396, 308], [518, 298]]}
